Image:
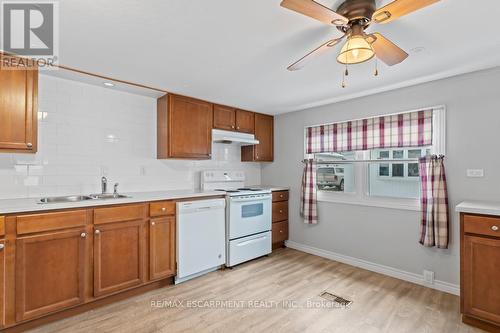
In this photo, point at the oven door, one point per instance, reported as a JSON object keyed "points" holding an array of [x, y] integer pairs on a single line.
{"points": [[249, 215]]}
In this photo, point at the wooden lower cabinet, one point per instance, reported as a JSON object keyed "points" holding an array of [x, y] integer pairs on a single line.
{"points": [[50, 272], [65, 261], [119, 256], [161, 248], [280, 232], [279, 218], [2, 283], [480, 271]]}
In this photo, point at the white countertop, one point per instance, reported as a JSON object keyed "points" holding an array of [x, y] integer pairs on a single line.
{"points": [[479, 207], [9, 206]]}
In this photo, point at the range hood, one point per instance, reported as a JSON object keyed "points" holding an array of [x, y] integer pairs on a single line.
{"points": [[228, 137]]}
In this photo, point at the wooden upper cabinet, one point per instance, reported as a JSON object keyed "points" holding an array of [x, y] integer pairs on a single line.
{"points": [[245, 121], [264, 132], [224, 118], [119, 256], [50, 272], [184, 128], [18, 108]]}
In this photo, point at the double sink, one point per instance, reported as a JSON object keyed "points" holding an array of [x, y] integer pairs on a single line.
{"points": [[78, 198]]}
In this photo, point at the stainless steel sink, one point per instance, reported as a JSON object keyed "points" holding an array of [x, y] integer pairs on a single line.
{"points": [[69, 198], [107, 196], [79, 198]]}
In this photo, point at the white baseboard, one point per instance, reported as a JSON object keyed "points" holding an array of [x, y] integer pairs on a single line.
{"points": [[374, 267]]}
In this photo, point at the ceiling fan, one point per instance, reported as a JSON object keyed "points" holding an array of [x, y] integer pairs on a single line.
{"points": [[352, 17]]}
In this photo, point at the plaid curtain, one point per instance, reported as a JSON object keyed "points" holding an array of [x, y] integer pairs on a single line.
{"points": [[434, 200], [308, 207], [411, 129]]}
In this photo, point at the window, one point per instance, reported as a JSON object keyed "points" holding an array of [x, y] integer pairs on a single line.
{"points": [[396, 179], [377, 177], [332, 176]]}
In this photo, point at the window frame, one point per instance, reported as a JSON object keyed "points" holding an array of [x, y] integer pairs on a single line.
{"points": [[361, 195]]}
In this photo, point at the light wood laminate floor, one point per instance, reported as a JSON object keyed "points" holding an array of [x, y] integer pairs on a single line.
{"points": [[272, 295]]}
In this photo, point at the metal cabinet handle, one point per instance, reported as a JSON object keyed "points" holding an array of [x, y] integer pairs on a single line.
{"points": [[83, 234], [97, 232], [238, 127], [29, 145], [281, 211], [494, 228], [281, 231], [232, 126], [281, 195], [153, 223], [2, 246], [163, 209]]}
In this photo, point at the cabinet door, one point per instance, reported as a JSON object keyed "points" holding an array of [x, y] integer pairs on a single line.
{"points": [[264, 132], [50, 272], [224, 118], [280, 232], [18, 109], [189, 128], [161, 248], [118, 256], [245, 121], [2, 283], [481, 276]]}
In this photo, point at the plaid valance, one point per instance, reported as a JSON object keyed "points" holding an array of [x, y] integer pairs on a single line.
{"points": [[411, 129]]}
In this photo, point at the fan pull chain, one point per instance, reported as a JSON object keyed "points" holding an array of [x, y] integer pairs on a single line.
{"points": [[343, 79], [376, 67]]}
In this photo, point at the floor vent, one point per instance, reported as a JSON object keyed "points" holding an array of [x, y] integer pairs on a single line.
{"points": [[334, 298]]}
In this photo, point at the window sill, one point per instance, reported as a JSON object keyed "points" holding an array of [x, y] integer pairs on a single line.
{"points": [[354, 199]]}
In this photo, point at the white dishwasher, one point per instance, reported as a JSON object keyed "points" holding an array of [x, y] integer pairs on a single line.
{"points": [[201, 237]]}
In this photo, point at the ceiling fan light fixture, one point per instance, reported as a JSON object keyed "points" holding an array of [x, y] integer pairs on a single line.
{"points": [[356, 50]]}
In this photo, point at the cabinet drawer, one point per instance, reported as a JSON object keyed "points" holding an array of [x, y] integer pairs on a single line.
{"points": [[482, 225], [280, 196], [51, 221], [280, 211], [162, 208], [280, 231], [2, 226], [119, 214]]}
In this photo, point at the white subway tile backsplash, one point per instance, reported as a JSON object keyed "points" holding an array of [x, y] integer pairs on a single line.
{"points": [[89, 131]]}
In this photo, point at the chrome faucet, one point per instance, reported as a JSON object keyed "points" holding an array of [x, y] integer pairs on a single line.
{"points": [[104, 185], [115, 189]]}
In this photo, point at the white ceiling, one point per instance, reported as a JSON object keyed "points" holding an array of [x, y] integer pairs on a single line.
{"points": [[235, 52]]}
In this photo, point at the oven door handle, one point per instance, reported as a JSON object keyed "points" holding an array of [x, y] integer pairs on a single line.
{"points": [[236, 199]]}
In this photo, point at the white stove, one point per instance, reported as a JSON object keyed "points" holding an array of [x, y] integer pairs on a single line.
{"points": [[248, 215], [231, 182]]}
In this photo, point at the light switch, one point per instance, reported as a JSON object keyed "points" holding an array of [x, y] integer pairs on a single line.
{"points": [[475, 173]]}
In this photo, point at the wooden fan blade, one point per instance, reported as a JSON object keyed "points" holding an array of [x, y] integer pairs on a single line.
{"points": [[386, 50], [399, 8], [315, 10], [313, 54]]}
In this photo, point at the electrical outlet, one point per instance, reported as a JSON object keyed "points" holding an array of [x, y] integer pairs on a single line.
{"points": [[475, 173], [429, 277]]}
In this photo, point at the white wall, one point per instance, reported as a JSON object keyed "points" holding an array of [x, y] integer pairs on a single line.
{"points": [[88, 131], [388, 236]]}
